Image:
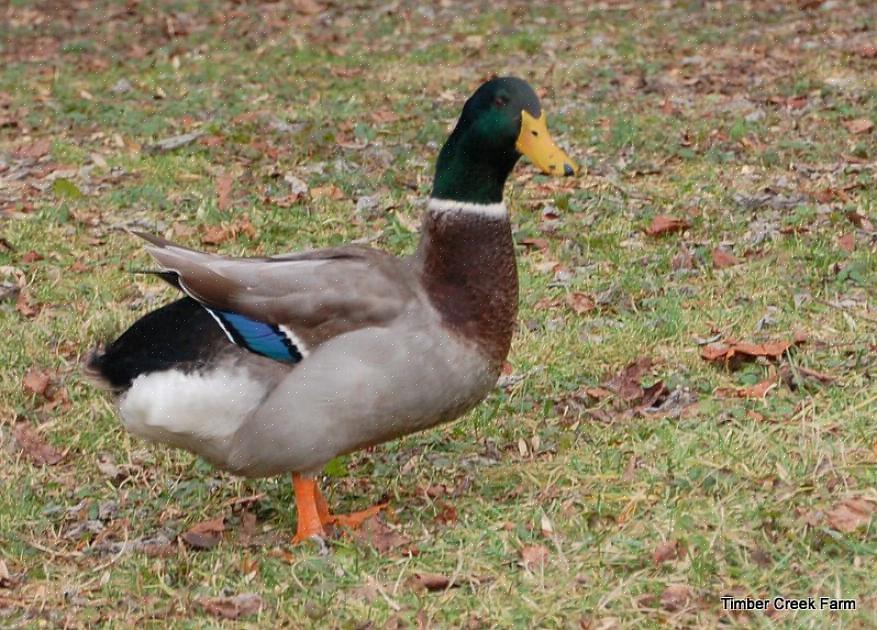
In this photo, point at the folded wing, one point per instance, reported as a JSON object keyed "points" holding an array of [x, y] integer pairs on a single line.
{"points": [[283, 307]]}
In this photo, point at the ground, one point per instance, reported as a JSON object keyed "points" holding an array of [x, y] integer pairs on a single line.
{"points": [[638, 461]]}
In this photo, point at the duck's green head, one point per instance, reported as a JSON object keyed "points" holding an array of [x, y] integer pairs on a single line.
{"points": [[500, 122]]}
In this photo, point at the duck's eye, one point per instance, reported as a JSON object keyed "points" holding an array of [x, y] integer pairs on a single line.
{"points": [[501, 100]]}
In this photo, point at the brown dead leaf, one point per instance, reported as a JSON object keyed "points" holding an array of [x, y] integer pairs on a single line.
{"points": [[34, 447], [534, 557], [307, 7], [31, 256], [218, 234], [629, 473], [759, 390], [35, 150], [761, 557], [597, 393], [36, 381], [867, 51], [581, 303], [547, 266], [6, 579], [384, 116], [665, 224], [223, 191], [684, 259], [850, 514], [206, 534], [447, 514], [626, 383], [723, 258], [330, 191], [675, 597], [235, 607], [546, 303], [379, 535], [802, 375], [540, 244], [214, 234], [25, 306], [860, 221], [432, 581], [859, 125], [847, 242], [731, 349], [667, 550]]}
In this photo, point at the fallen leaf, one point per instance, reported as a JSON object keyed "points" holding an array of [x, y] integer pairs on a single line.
{"points": [[330, 191], [379, 535], [629, 473], [665, 224], [860, 221], [859, 125], [547, 266], [546, 303], [218, 234], [307, 7], [847, 242], [723, 258], [730, 349], [759, 390], [545, 526], [580, 302], [173, 142], [597, 393], [234, 607], [667, 550], [248, 523], [206, 534], [36, 381], [802, 375], [6, 579], [383, 116], [534, 557], [35, 150], [684, 259], [675, 597], [540, 244], [448, 514], [34, 447], [223, 191], [24, 305], [432, 581], [867, 51], [850, 514], [31, 256], [626, 383]]}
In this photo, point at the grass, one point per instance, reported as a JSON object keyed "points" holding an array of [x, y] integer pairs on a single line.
{"points": [[727, 116]]}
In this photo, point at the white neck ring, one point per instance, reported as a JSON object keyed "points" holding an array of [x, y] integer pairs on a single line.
{"points": [[497, 210]]}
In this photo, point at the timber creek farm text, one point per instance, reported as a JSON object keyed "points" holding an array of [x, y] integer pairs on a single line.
{"points": [[787, 603]]}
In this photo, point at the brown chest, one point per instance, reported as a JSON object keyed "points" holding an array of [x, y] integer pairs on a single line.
{"points": [[468, 269]]}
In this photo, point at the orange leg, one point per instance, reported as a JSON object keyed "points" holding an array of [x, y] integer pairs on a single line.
{"points": [[309, 522], [322, 507]]}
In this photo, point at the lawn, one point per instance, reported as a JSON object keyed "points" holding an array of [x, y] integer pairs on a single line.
{"points": [[689, 409]]}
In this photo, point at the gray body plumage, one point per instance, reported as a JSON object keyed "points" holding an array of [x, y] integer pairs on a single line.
{"points": [[379, 362]]}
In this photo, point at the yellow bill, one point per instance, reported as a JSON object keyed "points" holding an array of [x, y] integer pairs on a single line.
{"points": [[536, 143]]}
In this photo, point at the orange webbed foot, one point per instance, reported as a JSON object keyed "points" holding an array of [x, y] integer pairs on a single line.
{"points": [[355, 519], [314, 515]]}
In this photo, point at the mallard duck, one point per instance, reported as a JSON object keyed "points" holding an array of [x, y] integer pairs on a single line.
{"points": [[279, 364]]}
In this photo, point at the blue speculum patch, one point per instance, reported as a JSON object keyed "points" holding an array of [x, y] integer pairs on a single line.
{"points": [[258, 337]]}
